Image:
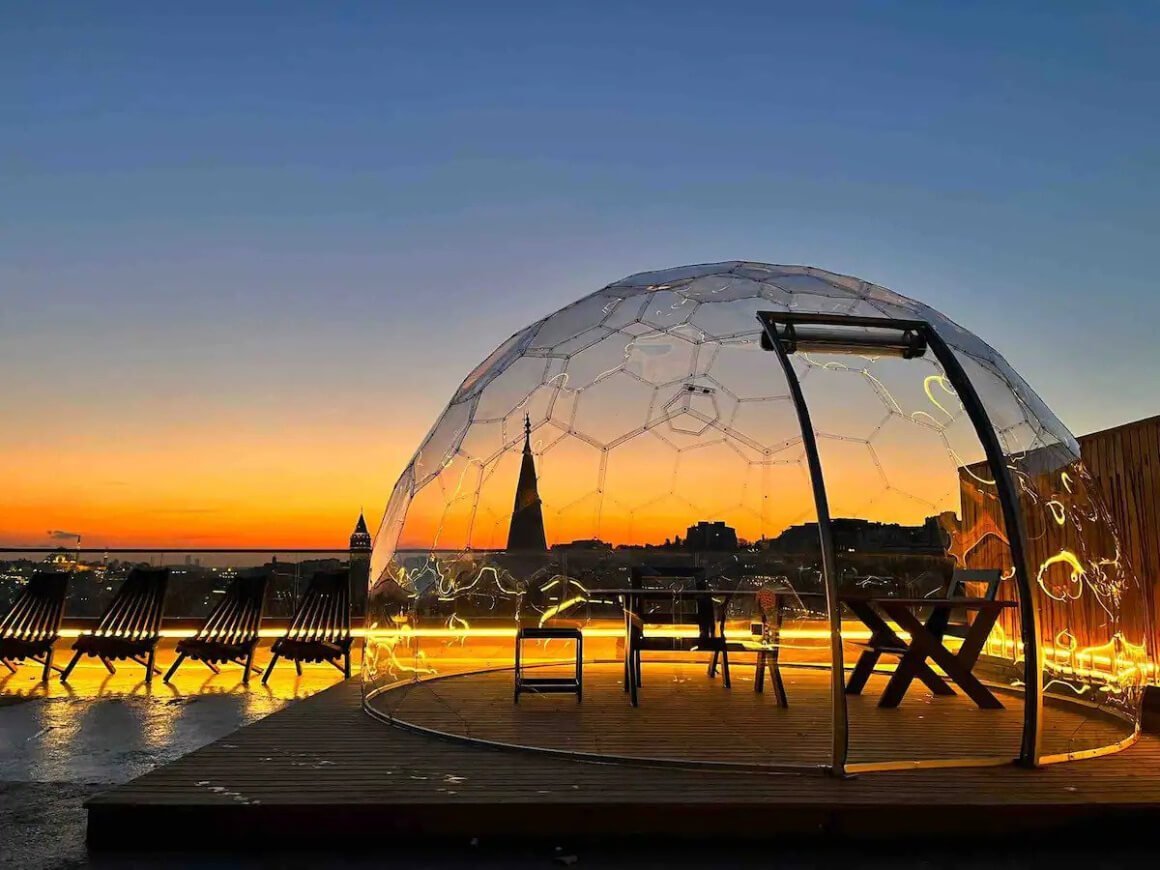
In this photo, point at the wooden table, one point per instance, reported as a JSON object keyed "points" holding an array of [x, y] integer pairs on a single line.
{"points": [[926, 642]]}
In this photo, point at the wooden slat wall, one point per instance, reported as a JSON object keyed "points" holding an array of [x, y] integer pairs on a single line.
{"points": [[1125, 464]]}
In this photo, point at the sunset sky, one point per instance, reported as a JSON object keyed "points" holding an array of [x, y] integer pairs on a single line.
{"points": [[247, 257]]}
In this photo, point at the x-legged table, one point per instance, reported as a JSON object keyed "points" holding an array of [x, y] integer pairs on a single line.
{"points": [[926, 642]]}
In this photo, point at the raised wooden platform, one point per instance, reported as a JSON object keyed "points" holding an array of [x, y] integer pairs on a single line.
{"points": [[685, 716], [323, 769]]}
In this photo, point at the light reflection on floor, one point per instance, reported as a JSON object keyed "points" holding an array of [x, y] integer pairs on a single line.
{"points": [[107, 728]]}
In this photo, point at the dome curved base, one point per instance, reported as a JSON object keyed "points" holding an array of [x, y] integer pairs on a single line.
{"points": [[687, 719]]}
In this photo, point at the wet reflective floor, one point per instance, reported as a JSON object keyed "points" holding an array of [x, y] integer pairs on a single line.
{"points": [[108, 728], [61, 743]]}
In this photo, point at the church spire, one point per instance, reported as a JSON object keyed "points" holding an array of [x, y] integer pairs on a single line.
{"points": [[360, 538], [527, 527]]}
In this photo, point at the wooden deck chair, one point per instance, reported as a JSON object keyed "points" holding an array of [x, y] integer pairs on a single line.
{"points": [[320, 629], [31, 626], [130, 627], [970, 583], [230, 634], [698, 610]]}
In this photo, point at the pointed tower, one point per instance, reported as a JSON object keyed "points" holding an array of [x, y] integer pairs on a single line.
{"points": [[527, 529], [360, 565]]}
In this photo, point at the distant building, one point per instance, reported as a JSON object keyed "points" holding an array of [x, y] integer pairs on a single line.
{"points": [[360, 564], [526, 532], [710, 536], [584, 544], [857, 536], [61, 559]]}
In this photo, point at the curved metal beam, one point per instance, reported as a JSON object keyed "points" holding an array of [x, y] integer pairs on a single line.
{"points": [[1030, 745], [840, 730]]}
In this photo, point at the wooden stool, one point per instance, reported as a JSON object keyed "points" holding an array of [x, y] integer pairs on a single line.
{"points": [[556, 685]]}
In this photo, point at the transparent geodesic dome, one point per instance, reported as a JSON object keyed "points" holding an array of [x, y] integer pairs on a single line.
{"points": [[644, 424]]}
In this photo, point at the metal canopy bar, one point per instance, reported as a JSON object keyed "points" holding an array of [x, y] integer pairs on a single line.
{"points": [[1030, 746], [839, 319], [908, 343]]}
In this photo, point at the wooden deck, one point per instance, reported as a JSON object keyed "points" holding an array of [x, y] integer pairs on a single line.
{"points": [[685, 716], [323, 769]]}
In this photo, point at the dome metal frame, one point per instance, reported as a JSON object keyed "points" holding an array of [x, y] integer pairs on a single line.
{"points": [[775, 341]]}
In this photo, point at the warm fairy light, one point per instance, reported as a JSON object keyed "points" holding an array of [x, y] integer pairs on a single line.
{"points": [[1118, 663], [177, 633], [613, 629], [559, 608], [945, 385], [1064, 557]]}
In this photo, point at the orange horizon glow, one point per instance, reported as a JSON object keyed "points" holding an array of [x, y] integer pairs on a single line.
{"points": [[285, 480], [647, 496], [180, 484]]}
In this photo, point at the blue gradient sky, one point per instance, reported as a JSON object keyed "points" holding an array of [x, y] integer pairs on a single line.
{"points": [[301, 224]]}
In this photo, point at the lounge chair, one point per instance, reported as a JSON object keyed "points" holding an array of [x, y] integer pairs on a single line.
{"points": [[130, 627], [320, 629], [31, 626], [230, 634]]}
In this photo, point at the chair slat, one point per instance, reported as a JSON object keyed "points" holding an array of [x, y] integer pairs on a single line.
{"points": [[332, 623], [136, 609], [134, 605], [31, 626], [34, 618], [114, 620], [317, 603], [51, 628], [158, 603], [14, 622]]}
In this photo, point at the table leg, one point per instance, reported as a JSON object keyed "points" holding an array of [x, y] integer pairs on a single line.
{"points": [[880, 633], [912, 664], [957, 668], [884, 636], [862, 670]]}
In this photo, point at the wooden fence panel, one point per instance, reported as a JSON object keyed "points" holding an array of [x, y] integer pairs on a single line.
{"points": [[1124, 463]]}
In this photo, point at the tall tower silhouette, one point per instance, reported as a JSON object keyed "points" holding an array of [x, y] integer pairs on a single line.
{"points": [[527, 528], [360, 565]]}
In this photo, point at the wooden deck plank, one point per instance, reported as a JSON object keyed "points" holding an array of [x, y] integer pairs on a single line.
{"points": [[323, 768]]}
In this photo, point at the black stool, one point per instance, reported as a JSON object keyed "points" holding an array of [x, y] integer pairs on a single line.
{"points": [[550, 684]]}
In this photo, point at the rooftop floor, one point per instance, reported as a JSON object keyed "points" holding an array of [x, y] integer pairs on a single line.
{"points": [[323, 769]]}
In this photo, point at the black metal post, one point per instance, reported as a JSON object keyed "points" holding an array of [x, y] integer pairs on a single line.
{"points": [[839, 734], [1029, 749]]}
